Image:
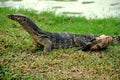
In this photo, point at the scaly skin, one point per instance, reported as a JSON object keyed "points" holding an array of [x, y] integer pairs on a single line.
{"points": [[51, 40]]}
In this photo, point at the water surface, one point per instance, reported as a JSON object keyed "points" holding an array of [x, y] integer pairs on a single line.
{"points": [[87, 8]]}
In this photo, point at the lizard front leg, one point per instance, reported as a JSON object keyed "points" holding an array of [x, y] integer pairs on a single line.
{"points": [[47, 44], [35, 47]]}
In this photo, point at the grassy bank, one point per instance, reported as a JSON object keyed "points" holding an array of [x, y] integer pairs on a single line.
{"points": [[17, 62]]}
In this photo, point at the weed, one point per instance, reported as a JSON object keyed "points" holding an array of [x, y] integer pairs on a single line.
{"points": [[17, 62]]}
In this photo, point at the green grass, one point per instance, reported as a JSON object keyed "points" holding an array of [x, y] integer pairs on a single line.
{"points": [[17, 62]]}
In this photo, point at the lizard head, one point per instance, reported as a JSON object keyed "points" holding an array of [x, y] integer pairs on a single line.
{"points": [[17, 17]]}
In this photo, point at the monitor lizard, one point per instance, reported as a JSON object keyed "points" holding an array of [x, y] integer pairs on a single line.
{"points": [[55, 40]]}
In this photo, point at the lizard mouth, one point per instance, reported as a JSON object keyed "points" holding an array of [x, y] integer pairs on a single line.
{"points": [[10, 16]]}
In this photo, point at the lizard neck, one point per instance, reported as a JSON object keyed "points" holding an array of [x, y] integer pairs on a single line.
{"points": [[32, 29], [30, 26]]}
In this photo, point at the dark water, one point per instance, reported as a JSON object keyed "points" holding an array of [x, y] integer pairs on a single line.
{"points": [[87, 8]]}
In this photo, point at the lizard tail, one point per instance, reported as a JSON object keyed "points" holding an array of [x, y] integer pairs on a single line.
{"points": [[116, 38]]}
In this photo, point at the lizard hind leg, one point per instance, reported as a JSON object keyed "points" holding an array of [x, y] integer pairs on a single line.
{"points": [[82, 44]]}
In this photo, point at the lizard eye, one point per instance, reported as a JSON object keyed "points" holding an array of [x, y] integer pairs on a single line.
{"points": [[17, 18]]}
